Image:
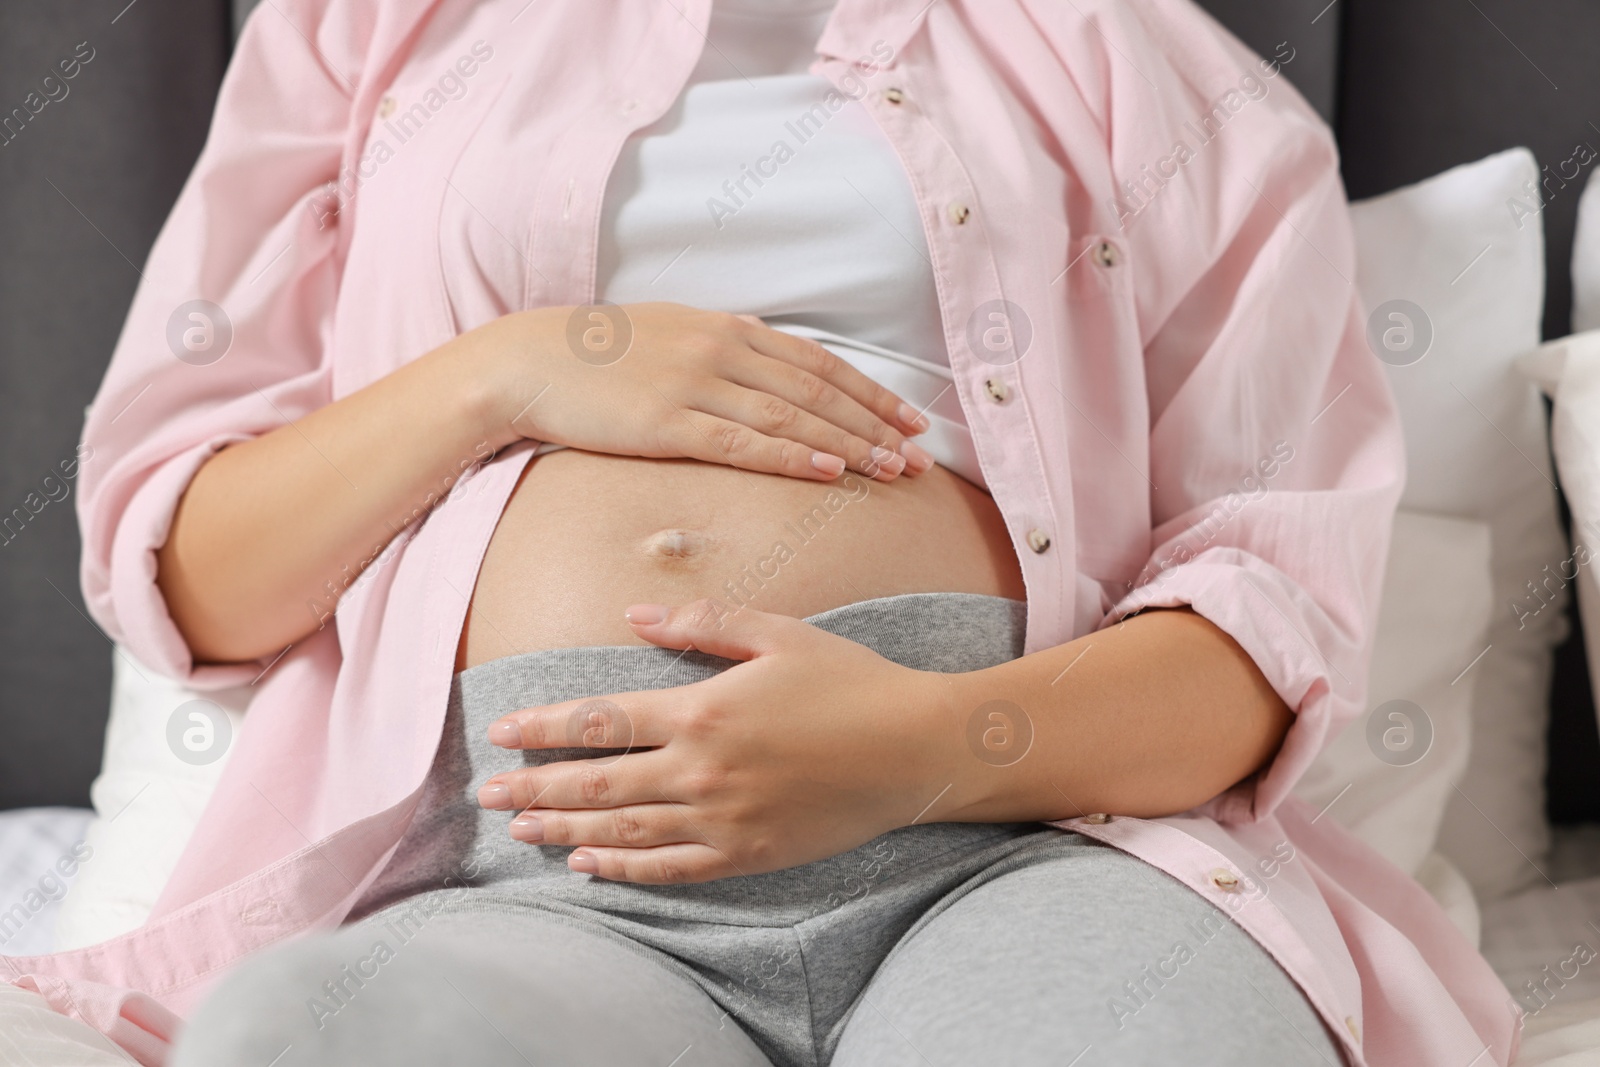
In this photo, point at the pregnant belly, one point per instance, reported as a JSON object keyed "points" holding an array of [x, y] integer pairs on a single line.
{"points": [[585, 535]]}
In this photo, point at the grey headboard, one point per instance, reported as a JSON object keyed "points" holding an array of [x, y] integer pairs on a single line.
{"points": [[84, 185], [1411, 86]]}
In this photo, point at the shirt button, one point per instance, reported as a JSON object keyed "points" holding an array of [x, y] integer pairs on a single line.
{"points": [[1099, 818], [959, 213], [996, 390], [1106, 254], [626, 106], [1038, 540], [1354, 1027], [386, 107], [894, 95], [1225, 880]]}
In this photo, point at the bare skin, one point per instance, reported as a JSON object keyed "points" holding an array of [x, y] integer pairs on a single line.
{"points": [[689, 460], [565, 561]]}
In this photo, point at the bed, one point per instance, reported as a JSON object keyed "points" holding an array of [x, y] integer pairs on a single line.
{"points": [[32, 886], [1537, 934]]}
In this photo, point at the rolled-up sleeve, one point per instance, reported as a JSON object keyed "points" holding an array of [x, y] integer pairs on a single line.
{"points": [[227, 336], [1275, 452]]}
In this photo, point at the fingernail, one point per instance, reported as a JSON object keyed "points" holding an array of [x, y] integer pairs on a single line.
{"points": [[891, 462], [646, 614], [527, 828], [583, 862], [505, 734], [828, 464], [917, 457], [494, 796], [910, 416]]}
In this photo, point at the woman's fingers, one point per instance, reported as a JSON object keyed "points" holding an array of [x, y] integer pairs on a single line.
{"points": [[594, 722], [664, 865], [652, 844], [778, 417], [807, 355], [714, 439], [785, 401], [615, 781], [629, 826]]}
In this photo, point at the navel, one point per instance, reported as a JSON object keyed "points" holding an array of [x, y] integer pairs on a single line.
{"points": [[677, 544]]}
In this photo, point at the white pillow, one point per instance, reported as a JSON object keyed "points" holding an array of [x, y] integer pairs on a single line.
{"points": [[1389, 775], [1586, 261], [1576, 429], [1568, 370], [1471, 267], [165, 747]]}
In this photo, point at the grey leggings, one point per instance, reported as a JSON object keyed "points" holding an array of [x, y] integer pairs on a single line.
{"points": [[942, 943]]}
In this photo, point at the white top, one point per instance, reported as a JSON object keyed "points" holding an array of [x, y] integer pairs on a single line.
{"points": [[765, 191]]}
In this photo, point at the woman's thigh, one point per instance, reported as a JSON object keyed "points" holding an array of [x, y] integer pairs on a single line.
{"points": [[481, 988], [1081, 956]]}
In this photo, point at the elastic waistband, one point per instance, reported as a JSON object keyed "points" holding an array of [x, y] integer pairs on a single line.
{"points": [[950, 632]]}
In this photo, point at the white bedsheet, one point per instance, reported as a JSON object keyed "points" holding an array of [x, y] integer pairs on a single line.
{"points": [[1545, 945], [37, 863]]}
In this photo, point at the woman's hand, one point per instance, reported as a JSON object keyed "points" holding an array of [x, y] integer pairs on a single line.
{"points": [[812, 747], [665, 381]]}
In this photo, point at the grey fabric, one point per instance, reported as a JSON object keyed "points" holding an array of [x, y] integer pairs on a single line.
{"points": [[241, 11], [935, 943], [84, 185], [450, 833], [1060, 952], [1428, 84], [1310, 27], [474, 988], [1046, 949]]}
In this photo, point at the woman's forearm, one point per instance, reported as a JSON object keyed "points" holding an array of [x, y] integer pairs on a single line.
{"points": [[271, 531], [1147, 718]]}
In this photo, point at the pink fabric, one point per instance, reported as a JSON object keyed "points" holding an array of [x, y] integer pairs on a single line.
{"points": [[1192, 335]]}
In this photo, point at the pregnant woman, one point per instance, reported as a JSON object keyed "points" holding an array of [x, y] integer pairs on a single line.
{"points": [[765, 533]]}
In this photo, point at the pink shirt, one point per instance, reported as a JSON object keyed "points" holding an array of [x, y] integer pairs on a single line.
{"points": [[1185, 413]]}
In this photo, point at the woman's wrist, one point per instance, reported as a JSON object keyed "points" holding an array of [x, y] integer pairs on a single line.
{"points": [[496, 377], [932, 768], [964, 740]]}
